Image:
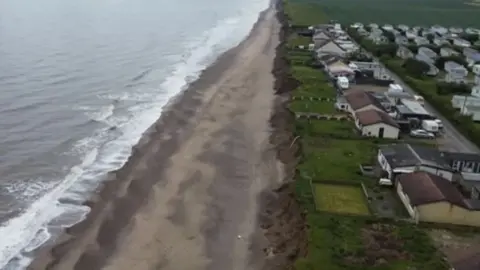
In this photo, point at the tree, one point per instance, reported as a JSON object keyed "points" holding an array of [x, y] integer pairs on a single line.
{"points": [[416, 68], [440, 62], [388, 49], [389, 35], [444, 88]]}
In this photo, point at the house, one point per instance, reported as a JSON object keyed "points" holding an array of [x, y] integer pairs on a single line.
{"points": [[376, 123], [456, 73], [340, 69], [471, 56], [476, 69], [404, 53], [359, 100], [477, 80], [321, 36], [431, 198], [472, 31], [410, 34], [380, 40], [329, 47], [387, 27], [468, 164], [373, 26], [455, 30], [407, 108], [421, 41], [439, 41], [459, 101], [396, 159], [427, 52], [360, 65], [438, 29], [357, 25], [362, 32], [403, 27], [471, 110], [447, 51], [401, 40], [461, 42], [395, 97]]}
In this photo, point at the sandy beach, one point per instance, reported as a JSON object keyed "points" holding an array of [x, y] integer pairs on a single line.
{"points": [[189, 196]]}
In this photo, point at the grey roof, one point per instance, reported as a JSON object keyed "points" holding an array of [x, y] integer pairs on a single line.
{"points": [[392, 94], [407, 155], [412, 107], [452, 156]]}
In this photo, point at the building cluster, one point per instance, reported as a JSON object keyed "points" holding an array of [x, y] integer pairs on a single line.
{"points": [[446, 39], [434, 186]]}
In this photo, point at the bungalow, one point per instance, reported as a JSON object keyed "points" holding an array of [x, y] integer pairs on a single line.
{"points": [[461, 42], [471, 110], [403, 27], [455, 30], [376, 123], [410, 34], [456, 73], [468, 164], [359, 100], [401, 40], [447, 51], [459, 101], [387, 27], [380, 40], [321, 36], [340, 69], [421, 41], [431, 198], [471, 56], [329, 47], [439, 41], [438, 29], [402, 158], [361, 65], [404, 52], [427, 52]]}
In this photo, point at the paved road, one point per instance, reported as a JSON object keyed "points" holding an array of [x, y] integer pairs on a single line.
{"points": [[452, 139]]}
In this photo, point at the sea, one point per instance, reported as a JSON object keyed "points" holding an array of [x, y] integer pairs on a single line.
{"points": [[80, 81]]}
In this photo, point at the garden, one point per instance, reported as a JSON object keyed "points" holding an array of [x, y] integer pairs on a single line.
{"points": [[335, 198]]}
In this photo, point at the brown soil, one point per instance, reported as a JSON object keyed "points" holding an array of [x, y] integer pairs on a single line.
{"points": [[282, 217], [381, 244]]}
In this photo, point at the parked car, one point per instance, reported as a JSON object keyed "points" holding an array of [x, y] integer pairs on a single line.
{"points": [[420, 133]]}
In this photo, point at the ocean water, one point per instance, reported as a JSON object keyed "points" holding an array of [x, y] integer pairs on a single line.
{"points": [[80, 81]]}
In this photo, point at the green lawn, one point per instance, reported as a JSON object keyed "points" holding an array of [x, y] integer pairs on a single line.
{"points": [[326, 128], [304, 13], [340, 199], [410, 12], [314, 106], [335, 160]]}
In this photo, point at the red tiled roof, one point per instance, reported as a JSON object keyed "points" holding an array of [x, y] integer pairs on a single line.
{"points": [[358, 99], [371, 117], [424, 188]]}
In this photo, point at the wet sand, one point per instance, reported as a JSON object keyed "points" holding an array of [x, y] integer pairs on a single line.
{"points": [[188, 198]]}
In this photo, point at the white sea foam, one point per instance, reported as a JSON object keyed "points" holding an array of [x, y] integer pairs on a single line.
{"points": [[102, 152]]}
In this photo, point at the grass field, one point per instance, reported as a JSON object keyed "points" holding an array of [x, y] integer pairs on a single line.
{"points": [[314, 106], [340, 199], [410, 12], [329, 159], [327, 128]]}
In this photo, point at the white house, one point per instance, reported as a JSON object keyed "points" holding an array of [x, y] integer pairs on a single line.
{"points": [[387, 27], [446, 52], [410, 34], [421, 41], [403, 158], [461, 42], [404, 53], [427, 52], [403, 27], [455, 30], [459, 101], [473, 111], [439, 29], [471, 56], [456, 73], [439, 41], [376, 123]]}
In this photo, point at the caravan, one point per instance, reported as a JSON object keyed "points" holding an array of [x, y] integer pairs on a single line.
{"points": [[343, 83]]}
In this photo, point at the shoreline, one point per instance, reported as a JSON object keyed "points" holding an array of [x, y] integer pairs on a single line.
{"points": [[123, 195]]}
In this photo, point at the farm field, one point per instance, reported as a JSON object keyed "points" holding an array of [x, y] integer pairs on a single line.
{"points": [[424, 12], [346, 199]]}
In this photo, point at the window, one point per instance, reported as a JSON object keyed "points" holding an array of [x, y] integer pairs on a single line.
{"points": [[468, 167], [456, 165]]}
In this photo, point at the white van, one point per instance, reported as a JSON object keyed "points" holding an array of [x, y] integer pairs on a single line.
{"points": [[419, 99], [343, 83]]}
